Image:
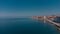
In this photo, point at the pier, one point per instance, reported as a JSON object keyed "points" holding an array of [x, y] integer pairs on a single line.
{"points": [[48, 19]]}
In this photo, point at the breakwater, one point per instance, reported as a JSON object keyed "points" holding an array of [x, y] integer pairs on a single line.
{"points": [[48, 19]]}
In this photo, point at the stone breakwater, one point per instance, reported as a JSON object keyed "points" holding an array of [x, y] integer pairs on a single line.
{"points": [[48, 19]]}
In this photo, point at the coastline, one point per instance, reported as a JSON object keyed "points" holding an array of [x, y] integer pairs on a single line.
{"points": [[48, 19]]}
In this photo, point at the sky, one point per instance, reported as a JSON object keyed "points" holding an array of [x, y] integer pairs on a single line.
{"points": [[29, 7]]}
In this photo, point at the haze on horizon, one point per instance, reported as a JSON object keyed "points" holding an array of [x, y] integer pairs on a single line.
{"points": [[29, 7]]}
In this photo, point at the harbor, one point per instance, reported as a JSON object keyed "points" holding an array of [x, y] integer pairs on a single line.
{"points": [[49, 19]]}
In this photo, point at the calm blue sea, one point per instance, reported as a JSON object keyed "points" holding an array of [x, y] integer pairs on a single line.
{"points": [[25, 26]]}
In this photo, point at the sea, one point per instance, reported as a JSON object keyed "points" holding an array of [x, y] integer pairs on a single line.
{"points": [[26, 26]]}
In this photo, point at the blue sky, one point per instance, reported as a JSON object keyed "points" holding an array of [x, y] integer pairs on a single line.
{"points": [[29, 7]]}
